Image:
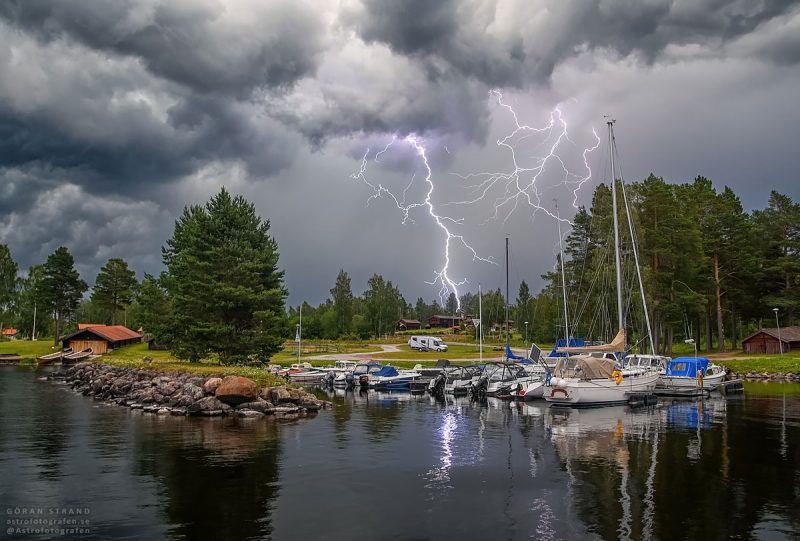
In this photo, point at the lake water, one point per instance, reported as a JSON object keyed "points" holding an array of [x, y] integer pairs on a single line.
{"points": [[401, 467]]}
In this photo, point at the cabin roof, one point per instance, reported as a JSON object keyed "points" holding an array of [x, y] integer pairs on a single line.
{"points": [[9, 332], [787, 334], [112, 333]]}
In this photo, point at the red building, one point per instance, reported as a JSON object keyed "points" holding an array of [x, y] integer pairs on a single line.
{"points": [[408, 325], [770, 340]]}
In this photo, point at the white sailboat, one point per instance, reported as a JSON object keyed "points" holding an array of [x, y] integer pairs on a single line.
{"points": [[591, 376]]}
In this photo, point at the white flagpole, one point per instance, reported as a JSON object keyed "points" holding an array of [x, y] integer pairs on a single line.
{"points": [[480, 318]]}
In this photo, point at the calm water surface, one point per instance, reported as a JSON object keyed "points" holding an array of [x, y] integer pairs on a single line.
{"points": [[399, 467]]}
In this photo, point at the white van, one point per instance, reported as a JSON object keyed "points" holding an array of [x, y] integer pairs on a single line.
{"points": [[427, 343]]}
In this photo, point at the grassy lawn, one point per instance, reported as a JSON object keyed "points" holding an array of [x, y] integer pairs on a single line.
{"points": [[27, 349], [163, 361], [771, 364]]}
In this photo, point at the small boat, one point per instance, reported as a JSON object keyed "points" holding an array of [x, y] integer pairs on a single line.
{"points": [[686, 374], [9, 358], [432, 371], [499, 379], [388, 378], [296, 367], [455, 380], [53, 357], [307, 377], [77, 356]]}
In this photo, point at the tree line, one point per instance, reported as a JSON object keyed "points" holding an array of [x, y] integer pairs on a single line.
{"points": [[711, 271]]}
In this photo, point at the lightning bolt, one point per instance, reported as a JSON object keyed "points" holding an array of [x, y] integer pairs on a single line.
{"points": [[518, 185], [442, 276], [521, 183]]}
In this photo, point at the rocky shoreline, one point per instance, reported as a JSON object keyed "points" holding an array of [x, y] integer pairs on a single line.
{"points": [[788, 377], [187, 394]]}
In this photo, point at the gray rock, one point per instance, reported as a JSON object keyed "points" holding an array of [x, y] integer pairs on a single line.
{"points": [[164, 411], [250, 414], [279, 395], [285, 410], [259, 405], [209, 403]]}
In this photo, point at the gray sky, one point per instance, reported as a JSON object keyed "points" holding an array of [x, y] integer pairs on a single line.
{"points": [[113, 116]]}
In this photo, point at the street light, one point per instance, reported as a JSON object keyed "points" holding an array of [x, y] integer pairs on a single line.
{"points": [[780, 342], [691, 341], [526, 334], [297, 339]]}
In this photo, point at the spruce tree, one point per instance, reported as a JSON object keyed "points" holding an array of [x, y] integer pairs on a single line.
{"points": [[222, 277], [114, 287], [8, 283], [342, 303], [61, 288]]}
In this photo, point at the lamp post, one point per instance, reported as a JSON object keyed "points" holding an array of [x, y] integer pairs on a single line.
{"points": [[297, 338], [526, 334], [691, 341], [780, 342]]}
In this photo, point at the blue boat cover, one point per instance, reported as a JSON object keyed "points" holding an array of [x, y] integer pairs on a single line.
{"points": [[560, 343], [510, 355], [387, 372], [687, 366]]}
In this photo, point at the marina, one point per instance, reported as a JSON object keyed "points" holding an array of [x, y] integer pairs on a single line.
{"points": [[460, 469]]}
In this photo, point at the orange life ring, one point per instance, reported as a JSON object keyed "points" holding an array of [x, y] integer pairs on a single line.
{"points": [[558, 389], [616, 375]]}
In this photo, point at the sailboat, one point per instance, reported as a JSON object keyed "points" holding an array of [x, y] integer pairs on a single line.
{"points": [[592, 375]]}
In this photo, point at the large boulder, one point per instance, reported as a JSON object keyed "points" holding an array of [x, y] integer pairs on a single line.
{"points": [[236, 390], [211, 384]]}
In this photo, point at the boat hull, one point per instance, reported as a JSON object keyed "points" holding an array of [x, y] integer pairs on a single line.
{"points": [[598, 392]]}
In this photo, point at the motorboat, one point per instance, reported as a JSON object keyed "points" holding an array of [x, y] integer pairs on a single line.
{"points": [[684, 374], [388, 378], [455, 380], [499, 379]]}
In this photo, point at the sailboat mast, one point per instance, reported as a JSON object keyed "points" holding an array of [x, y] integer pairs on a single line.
{"points": [[621, 317], [508, 341], [563, 276], [480, 322]]}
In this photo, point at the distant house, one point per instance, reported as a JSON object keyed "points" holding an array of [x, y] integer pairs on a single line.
{"points": [[439, 321], [101, 338], [11, 334], [769, 340], [408, 325], [499, 327]]}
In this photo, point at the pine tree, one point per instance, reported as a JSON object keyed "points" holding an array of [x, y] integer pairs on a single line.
{"points": [[342, 304], [8, 283], [114, 287], [61, 288], [223, 281]]}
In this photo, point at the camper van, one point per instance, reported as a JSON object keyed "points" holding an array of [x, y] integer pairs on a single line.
{"points": [[427, 343]]}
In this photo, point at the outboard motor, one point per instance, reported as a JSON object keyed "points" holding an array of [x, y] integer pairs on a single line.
{"points": [[350, 381], [327, 381], [478, 389], [436, 386], [363, 381]]}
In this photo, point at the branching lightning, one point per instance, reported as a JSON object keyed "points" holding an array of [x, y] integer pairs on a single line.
{"points": [[442, 276], [521, 183]]}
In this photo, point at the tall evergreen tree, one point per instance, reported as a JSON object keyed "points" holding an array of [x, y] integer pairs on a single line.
{"points": [[114, 287], [8, 284], [30, 301], [342, 296], [61, 288], [223, 280]]}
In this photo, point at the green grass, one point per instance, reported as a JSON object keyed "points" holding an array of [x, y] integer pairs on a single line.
{"points": [[770, 364], [28, 350], [164, 361]]}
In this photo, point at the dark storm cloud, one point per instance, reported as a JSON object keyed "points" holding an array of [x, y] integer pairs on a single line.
{"points": [[113, 115], [201, 44], [479, 41]]}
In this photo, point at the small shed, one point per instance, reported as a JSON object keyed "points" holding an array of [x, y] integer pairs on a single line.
{"points": [[9, 333], [101, 338], [769, 340], [408, 325]]}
